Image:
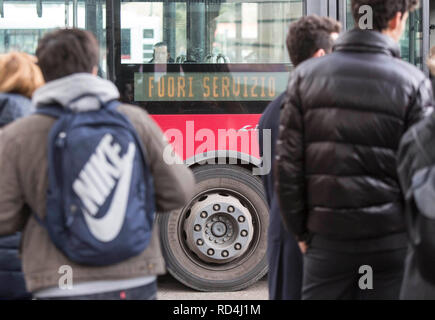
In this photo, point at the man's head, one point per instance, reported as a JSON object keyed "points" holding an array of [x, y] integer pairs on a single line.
{"points": [[311, 36], [161, 54], [389, 16], [67, 51]]}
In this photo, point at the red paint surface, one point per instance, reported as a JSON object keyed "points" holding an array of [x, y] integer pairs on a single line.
{"points": [[188, 126]]}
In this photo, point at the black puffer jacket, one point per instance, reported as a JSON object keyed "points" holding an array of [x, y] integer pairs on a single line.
{"points": [[12, 286], [340, 130]]}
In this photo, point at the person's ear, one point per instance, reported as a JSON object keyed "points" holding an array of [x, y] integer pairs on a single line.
{"points": [[396, 26], [396, 22], [95, 70], [319, 53]]}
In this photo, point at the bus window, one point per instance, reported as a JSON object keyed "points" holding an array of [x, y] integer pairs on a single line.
{"points": [[412, 40], [207, 32], [203, 57], [23, 23]]}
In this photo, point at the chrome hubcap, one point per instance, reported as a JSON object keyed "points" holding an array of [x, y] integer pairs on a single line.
{"points": [[219, 228]]}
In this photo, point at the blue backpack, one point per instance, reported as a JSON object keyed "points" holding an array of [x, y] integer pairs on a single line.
{"points": [[100, 199]]}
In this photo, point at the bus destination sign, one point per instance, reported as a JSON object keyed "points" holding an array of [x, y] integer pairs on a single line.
{"points": [[219, 86]]}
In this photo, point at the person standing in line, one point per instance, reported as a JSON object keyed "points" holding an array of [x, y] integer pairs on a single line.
{"points": [[336, 175], [309, 37], [19, 78], [68, 59], [416, 153]]}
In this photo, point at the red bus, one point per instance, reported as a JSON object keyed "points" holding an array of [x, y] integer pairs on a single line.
{"points": [[205, 70]]}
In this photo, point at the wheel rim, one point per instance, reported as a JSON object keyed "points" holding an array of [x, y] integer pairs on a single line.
{"points": [[191, 215], [219, 229]]}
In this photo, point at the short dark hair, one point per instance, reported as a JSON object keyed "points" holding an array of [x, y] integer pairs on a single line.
{"points": [[308, 35], [160, 44], [67, 51], [383, 10]]}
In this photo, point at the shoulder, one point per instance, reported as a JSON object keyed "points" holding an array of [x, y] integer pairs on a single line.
{"points": [[409, 73], [13, 106], [24, 131], [22, 128], [135, 114], [16, 137], [141, 120], [379, 66], [271, 114]]}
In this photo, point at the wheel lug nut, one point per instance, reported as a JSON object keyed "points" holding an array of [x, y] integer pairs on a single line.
{"points": [[210, 252], [244, 233], [225, 253], [204, 214], [216, 207], [241, 219], [237, 246], [197, 227], [199, 242], [230, 209]]}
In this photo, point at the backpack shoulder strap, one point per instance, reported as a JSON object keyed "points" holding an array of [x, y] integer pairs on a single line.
{"points": [[51, 111], [40, 221], [112, 105]]}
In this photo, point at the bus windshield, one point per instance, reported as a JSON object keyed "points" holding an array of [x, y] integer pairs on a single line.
{"points": [[202, 57], [210, 31]]}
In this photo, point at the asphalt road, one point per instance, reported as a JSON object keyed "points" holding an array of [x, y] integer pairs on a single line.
{"points": [[171, 289]]}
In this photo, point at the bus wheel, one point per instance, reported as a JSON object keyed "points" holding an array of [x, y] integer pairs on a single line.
{"points": [[218, 241]]}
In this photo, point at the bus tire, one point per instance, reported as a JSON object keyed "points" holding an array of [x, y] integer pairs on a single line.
{"points": [[245, 261]]}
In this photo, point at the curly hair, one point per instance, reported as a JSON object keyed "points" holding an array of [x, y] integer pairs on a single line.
{"points": [[383, 10], [19, 74], [67, 51], [308, 35]]}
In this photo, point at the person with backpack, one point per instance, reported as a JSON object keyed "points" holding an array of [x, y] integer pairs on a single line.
{"points": [[19, 78], [416, 169], [341, 125], [309, 37], [83, 178]]}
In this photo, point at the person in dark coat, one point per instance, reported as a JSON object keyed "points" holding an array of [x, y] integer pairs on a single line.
{"points": [[410, 160], [19, 78], [341, 125], [309, 37]]}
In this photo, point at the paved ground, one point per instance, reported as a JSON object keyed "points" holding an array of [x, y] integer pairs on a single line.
{"points": [[171, 289]]}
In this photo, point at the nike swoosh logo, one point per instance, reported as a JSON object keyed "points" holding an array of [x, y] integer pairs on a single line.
{"points": [[108, 227]]}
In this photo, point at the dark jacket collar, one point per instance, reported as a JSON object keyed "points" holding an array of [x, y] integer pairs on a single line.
{"points": [[367, 41]]}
